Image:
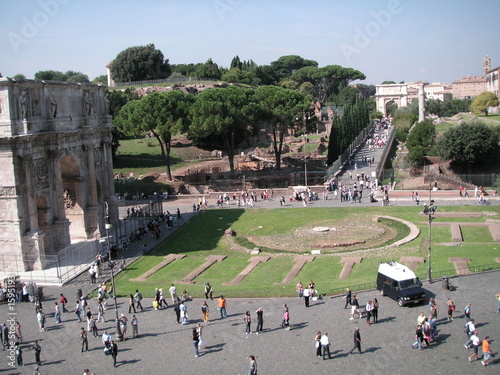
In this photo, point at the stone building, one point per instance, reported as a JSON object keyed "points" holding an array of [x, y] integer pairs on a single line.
{"points": [[56, 171], [471, 86]]}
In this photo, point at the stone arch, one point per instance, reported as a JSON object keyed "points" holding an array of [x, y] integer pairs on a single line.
{"points": [[387, 101]]}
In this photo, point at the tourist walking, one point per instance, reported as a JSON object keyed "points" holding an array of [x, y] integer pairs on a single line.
{"points": [[93, 327], [173, 294], [467, 311], [17, 332], [106, 339], [325, 344], [205, 310], [196, 341], [84, 340], [450, 308], [177, 310], [63, 301], [347, 297], [357, 341], [469, 328], [57, 313], [131, 304], [114, 351], [138, 299], [221, 306], [100, 311], [37, 349], [486, 351], [201, 343], [183, 311], [162, 299], [419, 337], [78, 311], [208, 291], [260, 319], [135, 326], [498, 300], [252, 370], [286, 319], [40, 316], [355, 306], [19, 354], [475, 345]]}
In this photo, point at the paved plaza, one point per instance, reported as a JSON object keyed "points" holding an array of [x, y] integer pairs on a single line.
{"points": [[164, 346]]}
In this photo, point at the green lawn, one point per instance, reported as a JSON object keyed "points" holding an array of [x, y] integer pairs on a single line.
{"points": [[204, 236]]}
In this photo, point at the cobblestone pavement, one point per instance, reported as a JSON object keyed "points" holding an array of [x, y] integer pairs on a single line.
{"points": [[166, 347]]}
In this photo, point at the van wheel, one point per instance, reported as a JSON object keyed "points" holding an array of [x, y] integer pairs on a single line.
{"points": [[382, 292], [401, 302]]}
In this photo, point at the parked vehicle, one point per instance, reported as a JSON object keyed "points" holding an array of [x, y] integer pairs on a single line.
{"points": [[397, 281]]}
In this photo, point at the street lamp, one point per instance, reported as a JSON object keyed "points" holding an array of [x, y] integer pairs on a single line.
{"points": [[306, 116], [108, 226], [429, 210]]}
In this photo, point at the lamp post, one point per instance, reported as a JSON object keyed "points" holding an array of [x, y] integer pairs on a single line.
{"points": [[429, 210], [305, 171], [111, 264]]}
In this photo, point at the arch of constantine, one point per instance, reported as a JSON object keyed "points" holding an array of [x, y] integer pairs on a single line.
{"points": [[56, 170]]}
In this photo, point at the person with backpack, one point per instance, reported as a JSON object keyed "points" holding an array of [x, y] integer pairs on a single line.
{"points": [[138, 299], [63, 301], [469, 329]]}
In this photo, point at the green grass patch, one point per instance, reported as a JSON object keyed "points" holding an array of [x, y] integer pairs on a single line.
{"points": [[476, 234], [204, 236]]}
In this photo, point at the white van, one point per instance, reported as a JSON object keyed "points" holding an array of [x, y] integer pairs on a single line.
{"points": [[400, 283]]}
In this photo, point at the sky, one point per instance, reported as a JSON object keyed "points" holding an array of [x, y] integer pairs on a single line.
{"points": [[398, 40]]}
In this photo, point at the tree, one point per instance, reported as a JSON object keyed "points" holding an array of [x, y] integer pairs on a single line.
{"points": [[469, 144], [69, 76], [328, 81], [279, 108], [140, 63], [50, 75], [285, 66], [388, 82], [434, 107], [235, 75], [117, 99], [208, 70], [19, 77], [419, 142], [77, 77], [162, 114], [226, 114], [482, 102], [236, 63], [267, 75], [103, 78]]}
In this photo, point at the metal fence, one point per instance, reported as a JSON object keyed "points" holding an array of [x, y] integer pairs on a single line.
{"points": [[76, 258]]}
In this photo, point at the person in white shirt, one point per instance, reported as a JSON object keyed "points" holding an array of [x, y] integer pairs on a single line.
{"points": [[325, 344], [106, 339], [475, 345], [173, 293]]}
